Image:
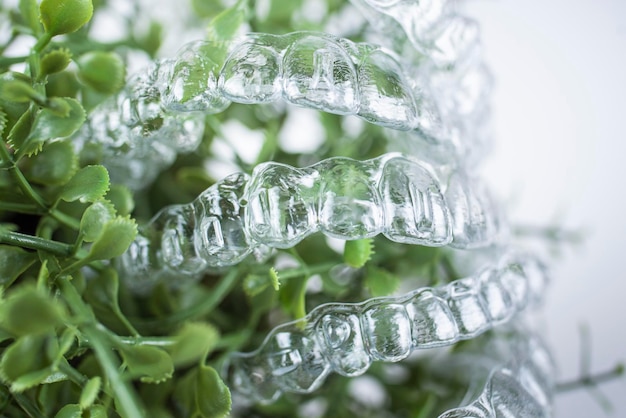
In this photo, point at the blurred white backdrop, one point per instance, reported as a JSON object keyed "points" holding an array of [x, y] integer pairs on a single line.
{"points": [[559, 120]]}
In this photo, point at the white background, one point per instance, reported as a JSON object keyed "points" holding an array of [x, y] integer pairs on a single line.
{"points": [[560, 121]]}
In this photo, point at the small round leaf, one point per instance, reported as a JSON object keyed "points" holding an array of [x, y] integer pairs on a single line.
{"points": [[87, 185], [102, 71], [150, 364], [194, 341], [70, 411], [358, 252], [90, 392], [64, 16], [54, 166], [55, 61], [122, 199], [202, 393], [116, 237], [95, 218], [28, 311]]}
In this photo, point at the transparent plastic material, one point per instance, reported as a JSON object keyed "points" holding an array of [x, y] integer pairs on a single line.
{"points": [[279, 205], [160, 112], [347, 338], [521, 386]]}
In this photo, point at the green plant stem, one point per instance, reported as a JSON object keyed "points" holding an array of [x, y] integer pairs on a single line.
{"points": [[17, 174], [591, 380], [125, 395], [20, 208], [42, 43], [35, 243], [148, 341], [6, 61], [74, 375], [205, 307]]}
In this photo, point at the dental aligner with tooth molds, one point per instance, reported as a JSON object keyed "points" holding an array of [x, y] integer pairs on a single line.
{"points": [[522, 386], [347, 338], [278, 206], [160, 112], [432, 27]]}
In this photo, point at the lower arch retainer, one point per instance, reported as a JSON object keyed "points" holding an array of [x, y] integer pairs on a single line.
{"points": [[347, 338]]}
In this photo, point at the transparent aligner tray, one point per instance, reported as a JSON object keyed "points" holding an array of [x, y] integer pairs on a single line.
{"points": [[279, 205], [346, 338], [522, 385], [160, 112]]}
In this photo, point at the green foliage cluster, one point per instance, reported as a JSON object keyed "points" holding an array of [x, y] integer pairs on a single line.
{"points": [[74, 341]]}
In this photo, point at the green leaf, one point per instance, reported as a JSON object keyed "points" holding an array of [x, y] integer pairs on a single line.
{"points": [[26, 360], [201, 393], [292, 296], [95, 217], [29, 380], [193, 342], [102, 71], [122, 198], [55, 61], [19, 91], [28, 311], [150, 364], [70, 411], [54, 166], [381, 282], [207, 8], [90, 392], [116, 237], [151, 40], [87, 185], [64, 16], [51, 123], [358, 252], [98, 411], [225, 25], [30, 14], [13, 262]]}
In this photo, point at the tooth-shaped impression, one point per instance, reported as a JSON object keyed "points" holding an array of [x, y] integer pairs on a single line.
{"points": [[347, 338], [349, 202], [279, 205], [385, 94], [193, 80], [318, 73], [416, 211], [475, 222], [251, 73], [220, 237]]}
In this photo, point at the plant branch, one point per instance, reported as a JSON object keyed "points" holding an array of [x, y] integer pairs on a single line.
{"points": [[127, 399], [35, 243], [593, 380], [205, 307]]}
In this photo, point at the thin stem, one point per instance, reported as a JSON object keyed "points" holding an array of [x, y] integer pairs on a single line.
{"points": [[25, 186], [203, 308], [42, 43], [20, 208], [147, 341], [127, 399], [7, 61], [35, 243], [591, 380], [74, 375]]}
